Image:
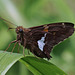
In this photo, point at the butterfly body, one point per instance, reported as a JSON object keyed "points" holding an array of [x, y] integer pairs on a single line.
{"points": [[41, 39]]}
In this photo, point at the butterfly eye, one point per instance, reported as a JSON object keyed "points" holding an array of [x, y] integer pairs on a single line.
{"points": [[21, 30]]}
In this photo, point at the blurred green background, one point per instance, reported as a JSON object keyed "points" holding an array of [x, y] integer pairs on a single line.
{"points": [[28, 13]]}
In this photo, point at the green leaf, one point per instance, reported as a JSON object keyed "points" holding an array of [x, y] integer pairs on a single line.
{"points": [[37, 66], [41, 67], [7, 60]]}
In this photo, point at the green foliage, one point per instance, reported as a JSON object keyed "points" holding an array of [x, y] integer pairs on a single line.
{"points": [[7, 60], [41, 67], [36, 65]]}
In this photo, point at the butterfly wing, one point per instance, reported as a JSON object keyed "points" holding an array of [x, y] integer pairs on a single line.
{"points": [[46, 36]]}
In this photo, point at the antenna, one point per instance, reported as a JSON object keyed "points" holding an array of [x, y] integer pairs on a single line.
{"points": [[10, 28], [7, 21]]}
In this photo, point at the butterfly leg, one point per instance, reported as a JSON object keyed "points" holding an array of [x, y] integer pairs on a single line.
{"points": [[23, 52], [19, 46], [24, 46], [10, 44], [14, 47]]}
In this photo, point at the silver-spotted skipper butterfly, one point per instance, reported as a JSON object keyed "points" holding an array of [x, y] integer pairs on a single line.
{"points": [[41, 39]]}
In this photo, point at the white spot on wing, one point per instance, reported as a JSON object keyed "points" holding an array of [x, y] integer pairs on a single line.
{"points": [[41, 42], [63, 25]]}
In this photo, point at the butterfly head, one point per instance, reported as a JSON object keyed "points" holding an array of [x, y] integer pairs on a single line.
{"points": [[20, 29]]}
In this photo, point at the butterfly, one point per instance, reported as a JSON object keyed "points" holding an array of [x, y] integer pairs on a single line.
{"points": [[41, 39]]}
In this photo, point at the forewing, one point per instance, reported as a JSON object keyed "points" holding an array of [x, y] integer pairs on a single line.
{"points": [[48, 35]]}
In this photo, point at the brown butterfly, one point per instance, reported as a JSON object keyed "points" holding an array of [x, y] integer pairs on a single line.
{"points": [[41, 39]]}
